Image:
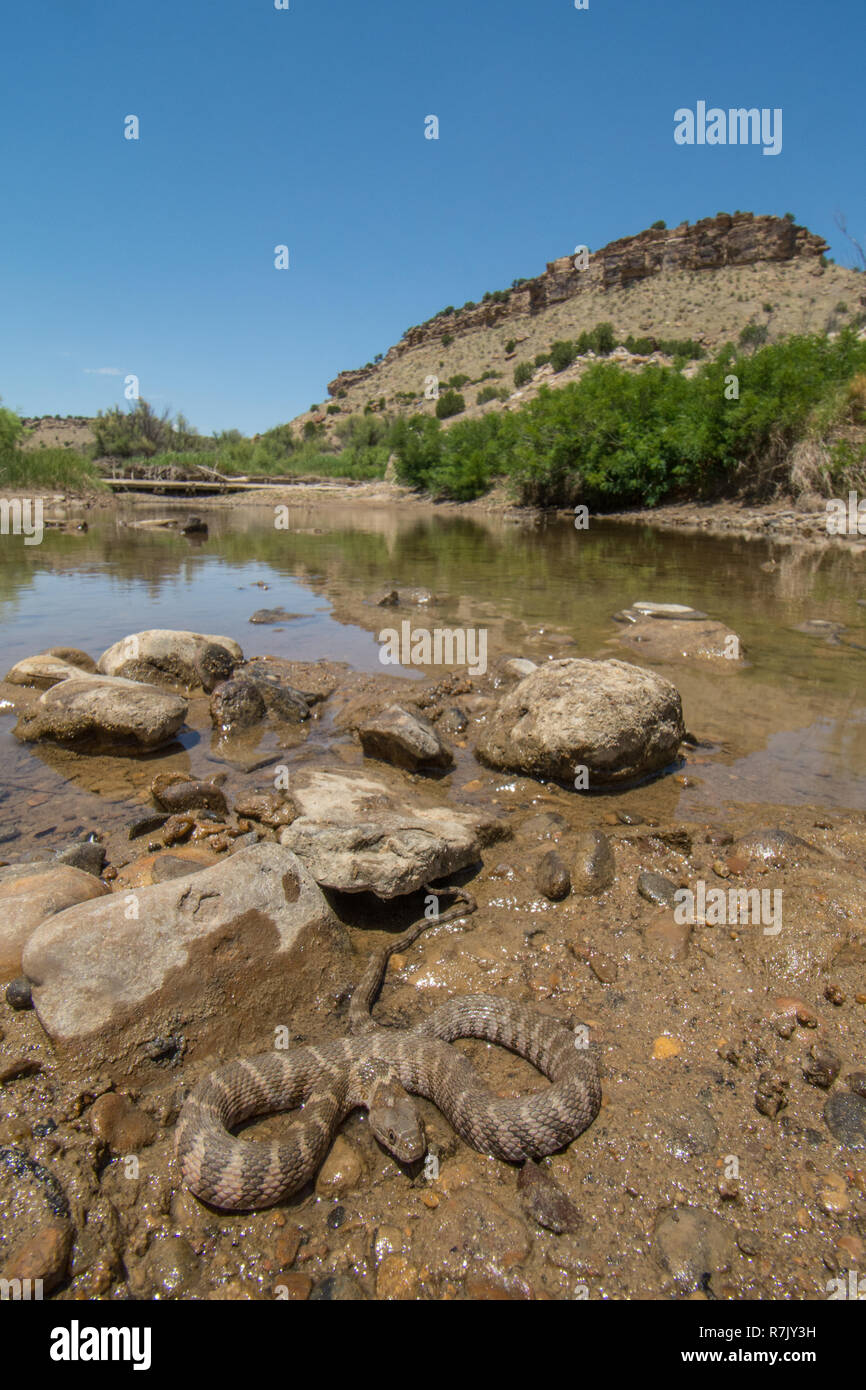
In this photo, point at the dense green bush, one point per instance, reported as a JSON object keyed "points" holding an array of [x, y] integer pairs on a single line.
{"points": [[523, 373], [562, 354], [449, 403], [492, 393], [618, 438]]}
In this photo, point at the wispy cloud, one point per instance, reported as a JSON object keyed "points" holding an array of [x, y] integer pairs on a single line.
{"points": [[104, 371]]}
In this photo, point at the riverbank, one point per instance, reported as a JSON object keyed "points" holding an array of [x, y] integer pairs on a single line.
{"points": [[785, 519]]}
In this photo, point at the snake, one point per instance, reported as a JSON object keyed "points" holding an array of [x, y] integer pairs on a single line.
{"points": [[379, 1069]]}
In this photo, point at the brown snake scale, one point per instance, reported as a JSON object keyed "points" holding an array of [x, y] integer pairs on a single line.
{"points": [[375, 1068]]}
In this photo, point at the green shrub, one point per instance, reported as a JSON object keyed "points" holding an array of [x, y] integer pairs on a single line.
{"points": [[491, 393], [511, 345], [660, 226], [449, 403], [753, 335], [523, 373], [542, 359], [562, 354], [457, 380], [447, 339]]}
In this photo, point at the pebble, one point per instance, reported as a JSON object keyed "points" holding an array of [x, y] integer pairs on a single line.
{"points": [[593, 866], [791, 1007], [120, 1124], [665, 1047], [856, 1082], [821, 1067], [656, 888], [834, 995], [832, 1195], [845, 1114], [603, 968], [397, 1279], [552, 877], [43, 1256], [690, 1131], [171, 1265], [19, 993], [341, 1171], [770, 1095], [387, 1240], [544, 1200], [16, 1067], [286, 1246]]}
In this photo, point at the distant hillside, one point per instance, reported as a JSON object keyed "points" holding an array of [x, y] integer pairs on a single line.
{"points": [[707, 282]]}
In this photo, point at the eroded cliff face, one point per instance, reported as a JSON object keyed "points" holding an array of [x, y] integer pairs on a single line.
{"points": [[736, 239]]}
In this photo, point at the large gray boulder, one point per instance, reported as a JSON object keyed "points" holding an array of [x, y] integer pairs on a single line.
{"points": [[354, 834], [177, 659], [618, 721], [103, 714], [192, 964]]}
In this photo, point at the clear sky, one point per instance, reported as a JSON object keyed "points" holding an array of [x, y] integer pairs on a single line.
{"points": [[305, 127]]}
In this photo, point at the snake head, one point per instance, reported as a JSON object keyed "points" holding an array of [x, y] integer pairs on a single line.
{"points": [[397, 1125]]}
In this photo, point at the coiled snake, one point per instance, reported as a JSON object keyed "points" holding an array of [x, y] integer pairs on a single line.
{"points": [[374, 1068]]}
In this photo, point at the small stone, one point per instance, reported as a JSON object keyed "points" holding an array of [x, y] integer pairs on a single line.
{"points": [[665, 1047], [770, 1095], [43, 1256], [845, 1114], [397, 1279], [786, 1006], [13, 1068], [18, 993], [172, 1266], [603, 968], [341, 1171], [693, 1244], [286, 1246], [821, 1067], [656, 888], [593, 867], [856, 1082], [336, 1218], [552, 877], [832, 1196], [120, 1124], [834, 995]]}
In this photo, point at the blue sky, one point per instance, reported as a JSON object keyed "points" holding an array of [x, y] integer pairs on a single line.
{"points": [[306, 127]]}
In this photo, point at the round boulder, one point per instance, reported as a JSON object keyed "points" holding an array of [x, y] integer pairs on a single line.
{"points": [[618, 721]]}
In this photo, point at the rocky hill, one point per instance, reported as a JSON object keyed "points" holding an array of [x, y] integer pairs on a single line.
{"points": [[707, 282]]}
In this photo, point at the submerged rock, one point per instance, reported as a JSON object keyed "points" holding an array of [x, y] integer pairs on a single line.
{"points": [[616, 720], [252, 694], [103, 714], [45, 670]]}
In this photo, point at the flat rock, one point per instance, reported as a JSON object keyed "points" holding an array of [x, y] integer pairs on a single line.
{"points": [[103, 713], [354, 834], [617, 720], [195, 962], [43, 671], [28, 899], [177, 659], [405, 739]]}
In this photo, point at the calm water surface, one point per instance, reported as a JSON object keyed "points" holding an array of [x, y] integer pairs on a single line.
{"points": [[791, 728]]}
